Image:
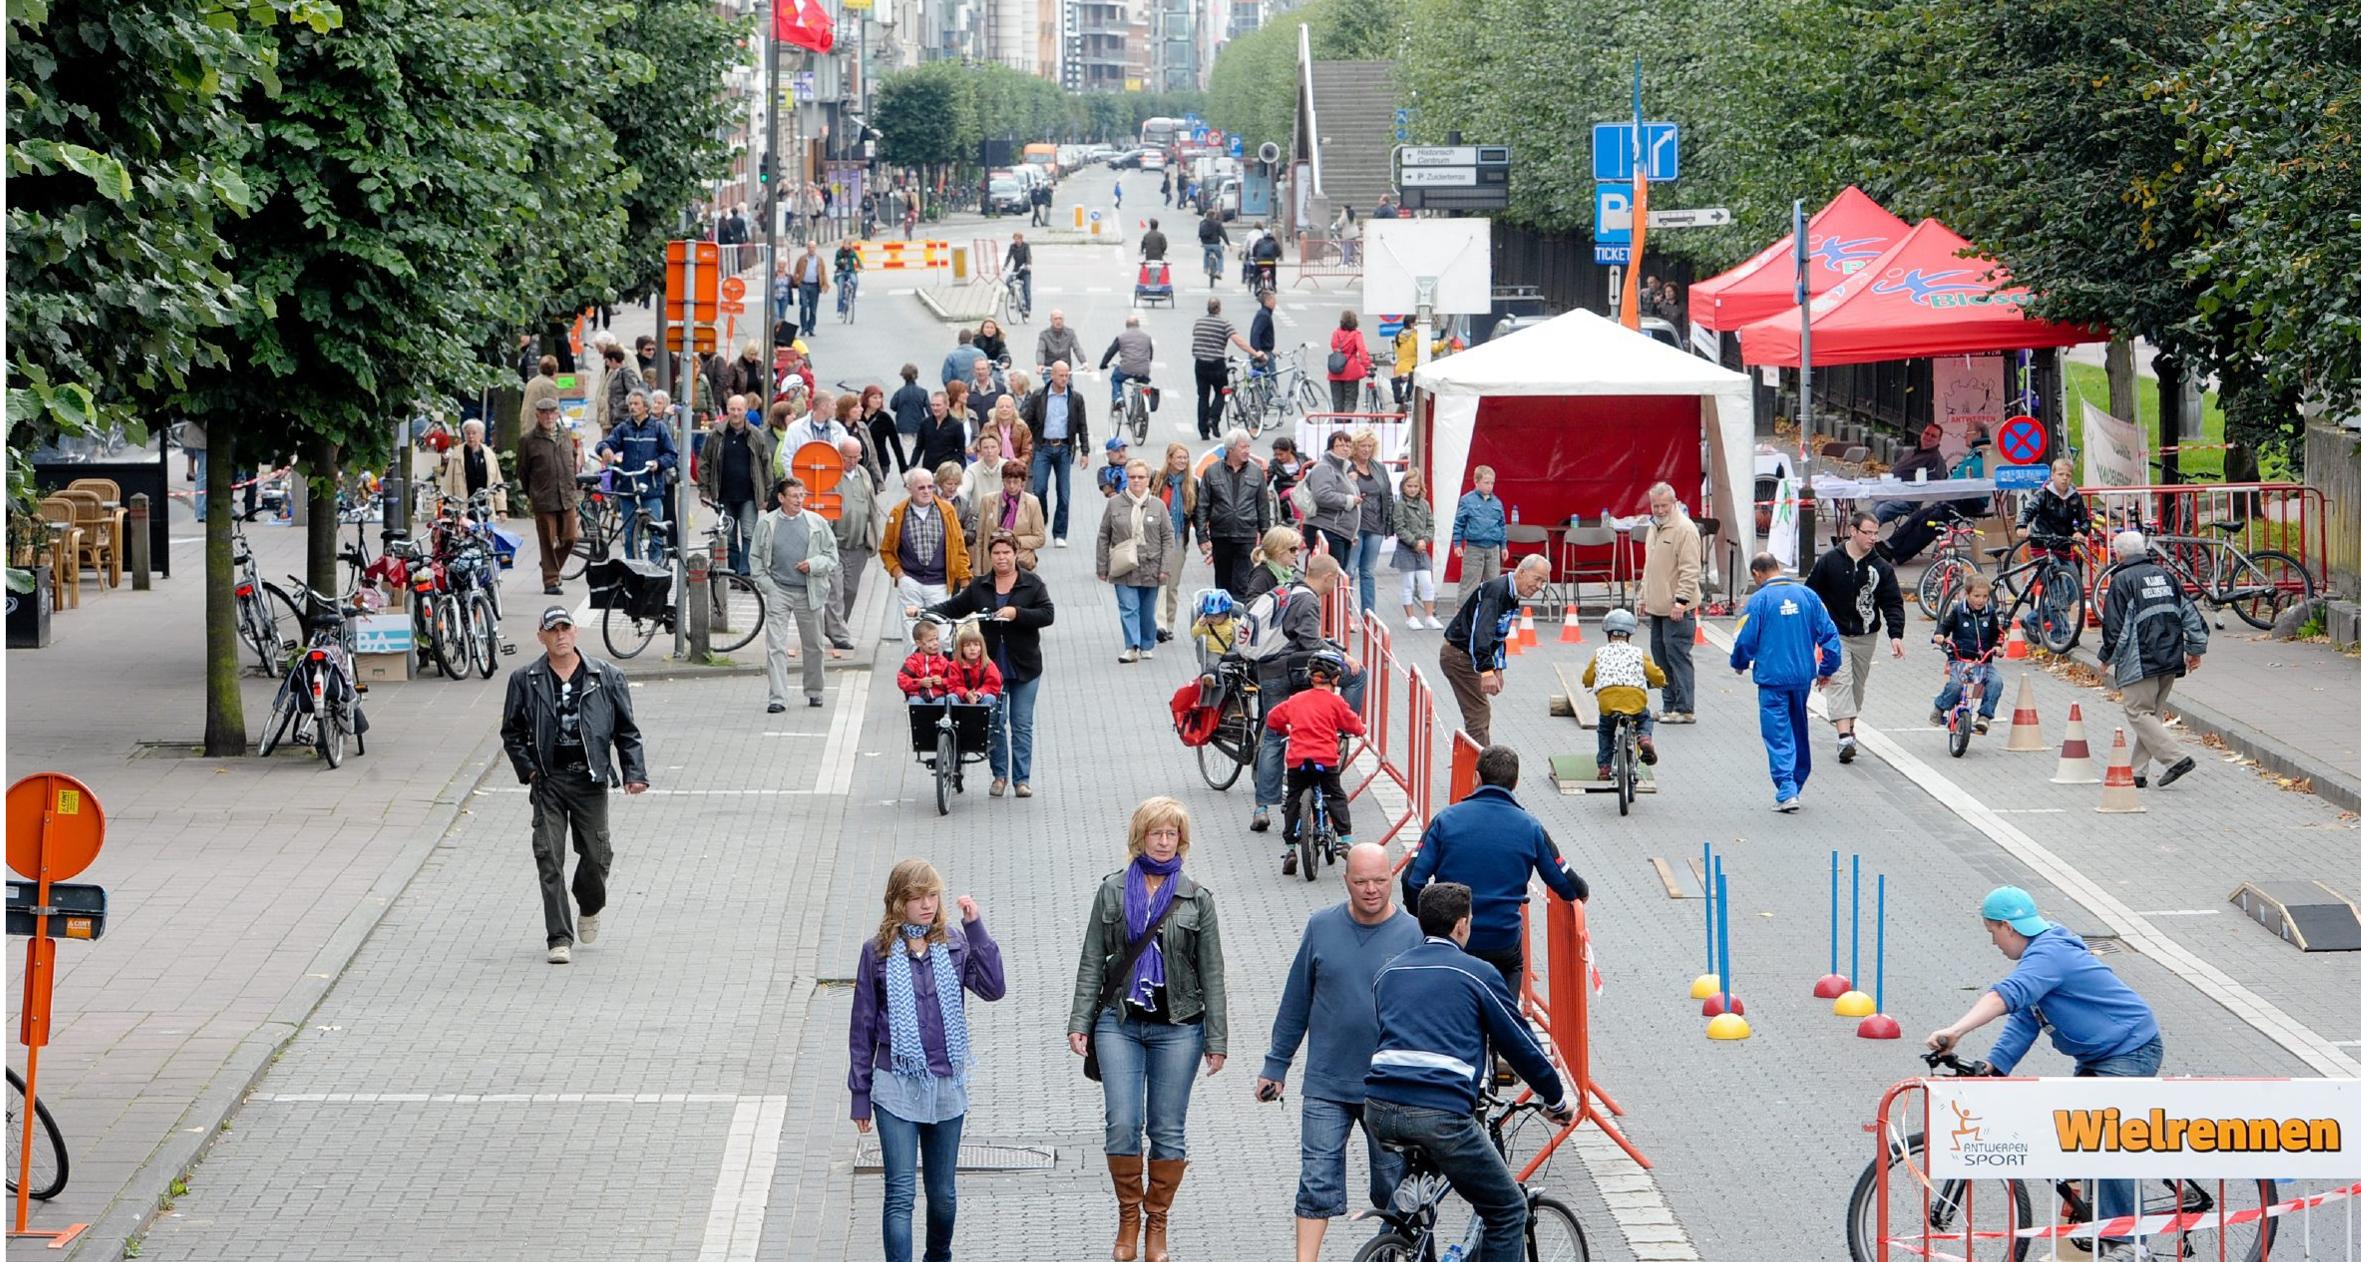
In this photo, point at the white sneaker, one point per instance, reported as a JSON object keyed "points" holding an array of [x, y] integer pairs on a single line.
{"points": [[562, 953], [1061, 543], [1789, 806], [1147, 655], [1128, 656], [586, 928], [1433, 623]]}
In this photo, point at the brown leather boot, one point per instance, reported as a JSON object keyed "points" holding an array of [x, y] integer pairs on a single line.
{"points": [[1128, 1192], [1164, 1180]]}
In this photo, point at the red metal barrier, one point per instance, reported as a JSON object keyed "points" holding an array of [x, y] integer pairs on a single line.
{"points": [[2286, 517]]}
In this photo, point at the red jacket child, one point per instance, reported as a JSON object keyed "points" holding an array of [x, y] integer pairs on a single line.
{"points": [[922, 665], [978, 680], [1310, 720]]}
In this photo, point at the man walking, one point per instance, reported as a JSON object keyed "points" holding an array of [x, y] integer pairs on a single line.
{"points": [[1233, 511], [565, 723], [1785, 628], [1336, 964], [1491, 844], [546, 461], [1668, 599], [794, 559], [2151, 634], [1060, 421], [811, 280], [1862, 596], [859, 526], [1209, 341], [1057, 343], [1475, 645], [923, 547], [731, 473]]}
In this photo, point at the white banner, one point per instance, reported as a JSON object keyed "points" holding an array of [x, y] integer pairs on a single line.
{"points": [[1783, 513], [2114, 453], [2148, 1128]]}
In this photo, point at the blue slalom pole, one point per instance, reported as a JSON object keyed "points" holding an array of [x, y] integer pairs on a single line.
{"points": [[1832, 911], [1881, 942], [1856, 973], [1722, 901], [1710, 869]]}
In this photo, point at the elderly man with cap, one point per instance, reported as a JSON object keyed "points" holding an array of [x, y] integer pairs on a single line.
{"points": [[2151, 634], [567, 726], [546, 461]]}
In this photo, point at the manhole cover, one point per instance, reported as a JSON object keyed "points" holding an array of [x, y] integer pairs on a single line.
{"points": [[982, 1155]]}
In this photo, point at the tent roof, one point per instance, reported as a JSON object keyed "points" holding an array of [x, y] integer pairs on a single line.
{"points": [[1845, 237], [1579, 353], [1918, 299]]}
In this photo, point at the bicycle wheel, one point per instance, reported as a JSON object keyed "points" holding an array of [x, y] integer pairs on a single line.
{"points": [[1963, 726], [49, 1153], [946, 766], [1627, 772], [328, 732], [451, 632], [737, 613], [1307, 396], [258, 627], [2059, 622], [592, 544], [484, 647], [1940, 585], [2262, 585], [2213, 1202], [1389, 1246], [1307, 832], [1952, 1208], [625, 635], [1553, 1233], [1138, 410], [282, 717], [2013, 576], [1220, 759], [287, 624]]}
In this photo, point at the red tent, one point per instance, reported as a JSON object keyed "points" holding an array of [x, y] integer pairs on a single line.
{"points": [[1845, 236], [1918, 299]]}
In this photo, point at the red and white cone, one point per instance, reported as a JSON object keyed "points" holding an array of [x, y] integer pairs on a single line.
{"points": [[2074, 760], [2120, 796], [2024, 725]]}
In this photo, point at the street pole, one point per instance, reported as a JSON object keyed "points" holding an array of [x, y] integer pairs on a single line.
{"points": [[770, 208], [1629, 309], [676, 501], [1803, 411]]}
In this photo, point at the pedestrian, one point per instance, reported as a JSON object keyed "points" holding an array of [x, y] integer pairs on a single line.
{"points": [[908, 405], [1475, 645], [745, 374], [1006, 425], [811, 280], [643, 351], [569, 732], [824, 423], [1374, 487], [470, 467], [960, 362], [1176, 488], [1114, 476], [1348, 363], [1209, 341], [1285, 470], [1060, 420], [546, 461], [1057, 343], [1327, 997], [1133, 353], [1969, 634], [1262, 332], [1233, 510], [622, 381], [884, 437], [642, 449], [1862, 596], [1294, 612], [942, 431], [1149, 1000], [922, 548], [1668, 599], [1488, 842], [859, 528], [1277, 560], [985, 471], [951, 489], [794, 562], [1135, 554], [1385, 207], [541, 385], [733, 471], [1413, 525], [1786, 636], [1479, 530], [1014, 605], [1013, 510], [912, 1050], [2151, 634], [1335, 495]]}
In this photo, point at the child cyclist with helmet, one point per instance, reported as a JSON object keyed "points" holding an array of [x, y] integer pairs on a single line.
{"points": [[1313, 721], [1620, 675], [1969, 633], [1112, 478]]}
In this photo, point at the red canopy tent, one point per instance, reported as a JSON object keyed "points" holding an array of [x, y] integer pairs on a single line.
{"points": [[1918, 299], [1845, 237]]}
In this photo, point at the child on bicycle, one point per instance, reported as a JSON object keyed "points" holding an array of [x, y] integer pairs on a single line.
{"points": [[1968, 633], [1313, 721], [926, 673], [1620, 675], [1113, 477], [972, 677]]}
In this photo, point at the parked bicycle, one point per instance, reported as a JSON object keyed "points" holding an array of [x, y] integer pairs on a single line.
{"points": [[2049, 598], [1552, 1232], [2217, 573], [1947, 573], [635, 604], [267, 617], [318, 701], [49, 1147], [599, 523]]}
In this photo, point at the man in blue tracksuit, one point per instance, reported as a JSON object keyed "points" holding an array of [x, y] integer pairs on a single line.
{"points": [[1492, 845], [641, 440], [1438, 1011], [1785, 628]]}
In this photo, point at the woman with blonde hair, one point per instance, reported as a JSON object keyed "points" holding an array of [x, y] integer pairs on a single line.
{"points": [[1177, 487], [951, 485], [1149, 1000], [910, 1048], [1376, 489], [1016, 437], [1277, 561], [1136, 554], [1414, 550]]}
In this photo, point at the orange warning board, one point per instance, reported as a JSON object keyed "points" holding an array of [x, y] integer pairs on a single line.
{"points": [[733, 288], [821, 467], [55, 827], [676, 296]]}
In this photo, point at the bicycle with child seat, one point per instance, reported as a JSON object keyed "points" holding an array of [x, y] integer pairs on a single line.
{"points": [[1413, 1221], [635, 608], [2190, 1221], [1965, 719], [2049, 598], [1235, 738], [946, 734]]}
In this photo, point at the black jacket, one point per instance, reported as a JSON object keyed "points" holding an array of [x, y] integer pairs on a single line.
{"points": [[1859, 594], [1152, 245], [2054, 521], [1232, 505], [2149, 626], [937, 442], [1483, 622], [528, 722], [1972, 634], [1020, 636], [1927, 458], [1035, 410], [994, 346]]}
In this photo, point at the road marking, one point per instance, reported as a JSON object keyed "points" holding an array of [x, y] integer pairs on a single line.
{"points": [[904, 292], [1099, 289], [2201, 911], [742, 1190], [693, 793], [844, 734], [515, 1097], [2305, 1043], [2029, 810], [812, 735]]}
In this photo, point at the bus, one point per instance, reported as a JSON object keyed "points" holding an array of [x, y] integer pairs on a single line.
{"points": [[1161, 134]]}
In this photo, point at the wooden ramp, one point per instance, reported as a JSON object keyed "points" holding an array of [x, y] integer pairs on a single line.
{"points": [[2306, 913], [1575, 702], [1578, 773]]}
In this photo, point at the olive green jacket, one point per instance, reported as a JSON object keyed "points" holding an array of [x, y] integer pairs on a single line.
{"points": [[1191, 936]]}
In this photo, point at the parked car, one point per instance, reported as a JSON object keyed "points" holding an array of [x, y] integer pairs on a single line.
{"points": [[1008, 195], [1125, 160]]}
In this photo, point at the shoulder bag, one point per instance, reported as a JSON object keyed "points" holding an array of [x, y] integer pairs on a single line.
{"points": [[1114, 983]]}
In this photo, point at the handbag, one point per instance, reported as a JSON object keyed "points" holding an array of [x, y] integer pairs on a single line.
{"points": [[1124, 557], [1107, 989], [1338, 362]]}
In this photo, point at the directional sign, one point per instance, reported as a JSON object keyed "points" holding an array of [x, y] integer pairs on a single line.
{"points": [[2019, 477], [1454, 155], [1610, 151], [1401, 124], [1610, 255], [1438, 177], [1709, 217], [2022, 440], [1611, 215]]}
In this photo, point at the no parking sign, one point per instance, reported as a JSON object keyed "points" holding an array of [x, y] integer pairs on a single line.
{"points": [[2023, 444]]}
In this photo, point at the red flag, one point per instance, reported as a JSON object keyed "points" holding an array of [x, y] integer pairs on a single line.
{"points": [[803, 23]]}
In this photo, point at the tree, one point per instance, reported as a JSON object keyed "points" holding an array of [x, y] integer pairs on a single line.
{"points": [[1252, 90], [666, 110], [925, 115]]}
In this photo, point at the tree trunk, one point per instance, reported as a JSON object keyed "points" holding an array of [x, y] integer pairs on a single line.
{"points": [[225, 708], [319, 536], [2123, 400]]}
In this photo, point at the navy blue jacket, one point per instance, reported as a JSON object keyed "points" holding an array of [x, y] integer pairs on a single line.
{"points": [[1491, 845], [636, 443], [1439, 1009]]}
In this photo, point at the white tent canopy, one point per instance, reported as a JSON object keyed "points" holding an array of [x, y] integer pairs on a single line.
{"points": [[1581, 354]]}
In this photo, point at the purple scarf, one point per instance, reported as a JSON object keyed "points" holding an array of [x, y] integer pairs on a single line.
{"points": [[1139, 907]]}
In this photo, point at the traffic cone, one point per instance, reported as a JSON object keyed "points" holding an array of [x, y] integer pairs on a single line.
{"points": [[2074, 761], [2024, 726], [1514, 645], [1700, 630], [2016, 643], [2120, 796], [1526, 633], [1570, 629]]}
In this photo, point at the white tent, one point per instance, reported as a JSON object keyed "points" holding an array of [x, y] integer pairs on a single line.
{"points": [[1581, 402]]}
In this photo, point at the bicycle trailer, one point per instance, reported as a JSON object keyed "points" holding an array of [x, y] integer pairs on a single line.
{"points": [[1154, 284]]}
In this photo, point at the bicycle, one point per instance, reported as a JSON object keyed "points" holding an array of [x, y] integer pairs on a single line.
{"points": [[1625, 762], [257, 617], [1139, 399], [472, 573], [637, 607], [317, 699], [600, 524], [1251, 404], [646, 535], [49, 1159], [1963, 719], [2052, 585], [1019, 302], [1215, 256], [1552, 1232], [437, 634], [848, 296], [1951, 1205], [1947, 574], [1315, 836], [1236, 737], [2257, 586], [947, 735]]}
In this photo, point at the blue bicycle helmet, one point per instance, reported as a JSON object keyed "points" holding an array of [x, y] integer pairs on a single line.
{"points": [[1216, 603], [1327, 662]]}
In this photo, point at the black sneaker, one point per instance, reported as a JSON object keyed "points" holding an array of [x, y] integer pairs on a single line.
{"points": [[778, 707], [1162, 636], [2139, 781], [2176, 771], [1287, 862], [552, 589], [1845, 749]]}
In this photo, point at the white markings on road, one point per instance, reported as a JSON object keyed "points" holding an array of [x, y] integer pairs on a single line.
{"points": [[742, 1191], [1099, 289], [2200, 911], [844, 734], [904, 292], [692, 793], [513, 1097], [2027, 810], [1630, 1191]]}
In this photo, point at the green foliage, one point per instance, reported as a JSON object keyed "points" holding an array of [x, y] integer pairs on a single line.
{"points": [[926, 115], [1251, 92], [668, 117]]}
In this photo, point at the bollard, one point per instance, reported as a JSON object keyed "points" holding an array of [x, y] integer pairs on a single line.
{"points": [[697, 607], [136, 543], [717, 559]]}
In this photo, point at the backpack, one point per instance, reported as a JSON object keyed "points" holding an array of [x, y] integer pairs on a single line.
{"points": [[1259, 633]]}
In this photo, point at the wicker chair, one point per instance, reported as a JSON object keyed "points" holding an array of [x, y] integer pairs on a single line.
{"points": [[65, 551], [102, 534]]}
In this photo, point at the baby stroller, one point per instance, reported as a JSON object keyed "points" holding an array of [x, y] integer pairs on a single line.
{"points": [[1154, 284]]}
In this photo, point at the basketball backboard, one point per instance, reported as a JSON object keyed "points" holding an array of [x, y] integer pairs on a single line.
{"points": [[1454, 254]]}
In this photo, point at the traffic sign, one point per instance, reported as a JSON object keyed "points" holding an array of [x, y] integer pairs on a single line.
{"points": [[1237, 146], [732, 307], [2019, 477], [1213, 138], [1610, 151], [1438, 177], [1707, 217], [55, 827], [1452, 177], [2022, 440], [1389, 325], [1611, 255], [733, 288], [1611, 215], [708, 271], [1454, 155]]}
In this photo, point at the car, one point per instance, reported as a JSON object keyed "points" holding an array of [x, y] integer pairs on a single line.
{"points": [[1125, 160], [1662, 331], [1008, 195], [1152, 160]]}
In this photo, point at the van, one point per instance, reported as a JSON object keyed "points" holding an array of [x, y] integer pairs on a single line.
{"points": [[1044, 157]]}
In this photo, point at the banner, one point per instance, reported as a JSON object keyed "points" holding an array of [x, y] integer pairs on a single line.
{"points": [[2146, 1128], [2114, 453], [1971, 394], [1783, 513]]}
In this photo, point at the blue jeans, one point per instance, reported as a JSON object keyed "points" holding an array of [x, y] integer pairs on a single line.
{"points": [[1012, 731], [1609, 721], [1364, 563], [1135, 609], [807, 302], [1048, 456], [2120, 1197], [1456, 1144], [1270, 757], [904, 1145], [1146, 1063], [1990, 678], [199, 455], [1115, 382], [1889, 511], [1787, 736], [1327, 1124], [654, 503], [745, 513]]}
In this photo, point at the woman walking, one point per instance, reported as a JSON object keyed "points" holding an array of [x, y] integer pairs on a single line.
{"points": [[1348, 364], [1414, 550], [1015, 606], [1177, 487], [1149, 999], [910, 1048], [1278, 562], [1135, 552], [1376, 488], [885, 431]]}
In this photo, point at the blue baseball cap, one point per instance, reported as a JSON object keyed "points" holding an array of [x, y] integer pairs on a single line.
{"points": [[2016, 907]]}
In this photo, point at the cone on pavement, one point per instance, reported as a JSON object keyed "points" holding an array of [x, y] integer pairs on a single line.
{"points": [[1526, 633], [2016, 642], [2074, 760], [2120, 796], [1570, 627], [2024, 726], [1513, 644], [1700, 629]]}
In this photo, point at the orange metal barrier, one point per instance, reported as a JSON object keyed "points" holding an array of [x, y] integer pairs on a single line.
{"points": [[2285, 517]]}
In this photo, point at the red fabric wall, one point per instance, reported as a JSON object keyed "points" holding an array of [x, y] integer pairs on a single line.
{"points": [[1560, 456]]}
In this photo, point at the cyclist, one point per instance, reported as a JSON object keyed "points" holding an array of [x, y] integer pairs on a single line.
{"points": [[1969, 632], [2092, 1016], [848, 275], [1439, 1013], [1152, 244], [641, 440], [1019, 263], [1265, 253], [1215, 239], [1315, 723], [1620, 674], [2054, 516]]}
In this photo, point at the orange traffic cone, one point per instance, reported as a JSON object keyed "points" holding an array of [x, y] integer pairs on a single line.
{"points": [[1570, 628], [1514, 644], [2024, 726], [2120, 796], [2074, 761], [2016, 642], [1700, 629], [1527, 635]]}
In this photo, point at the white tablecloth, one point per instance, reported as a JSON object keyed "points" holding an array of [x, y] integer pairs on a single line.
{"points": [[1831, 487]]}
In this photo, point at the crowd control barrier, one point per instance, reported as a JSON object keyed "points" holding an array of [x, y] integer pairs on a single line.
{"points": [[1391, 428], [898, 256], [1397, 708], [2286, 517]]}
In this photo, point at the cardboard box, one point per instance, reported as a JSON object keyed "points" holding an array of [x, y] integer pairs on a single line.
{"points": [[377, 634], [381, 668]]}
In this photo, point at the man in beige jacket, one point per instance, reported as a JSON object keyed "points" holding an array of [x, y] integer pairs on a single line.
{"points": [[1668, 600]]}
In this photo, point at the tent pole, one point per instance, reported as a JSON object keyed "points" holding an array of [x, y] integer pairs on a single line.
{"points": [[1804, 507]]}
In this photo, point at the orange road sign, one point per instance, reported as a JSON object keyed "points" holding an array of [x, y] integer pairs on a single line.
{"points": [[733, 288], [676, 298], [821, 467], [55, 827]]}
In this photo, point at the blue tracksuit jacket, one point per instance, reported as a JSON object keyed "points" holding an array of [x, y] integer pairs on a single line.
{"points": [[2091, 1015], [1784, 622], [1490, 844], [1437, 1009]]}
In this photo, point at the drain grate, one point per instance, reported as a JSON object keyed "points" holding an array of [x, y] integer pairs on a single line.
{"points": [[980, 1155], [2106, 944]]}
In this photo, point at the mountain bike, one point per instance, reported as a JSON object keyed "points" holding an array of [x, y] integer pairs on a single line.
{"points": [[317, 700], [1139, 399], [2049, 597], [1947, 574], [49, 1149], [1315, 835], [1552, 1232], [1994, 1210]]}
